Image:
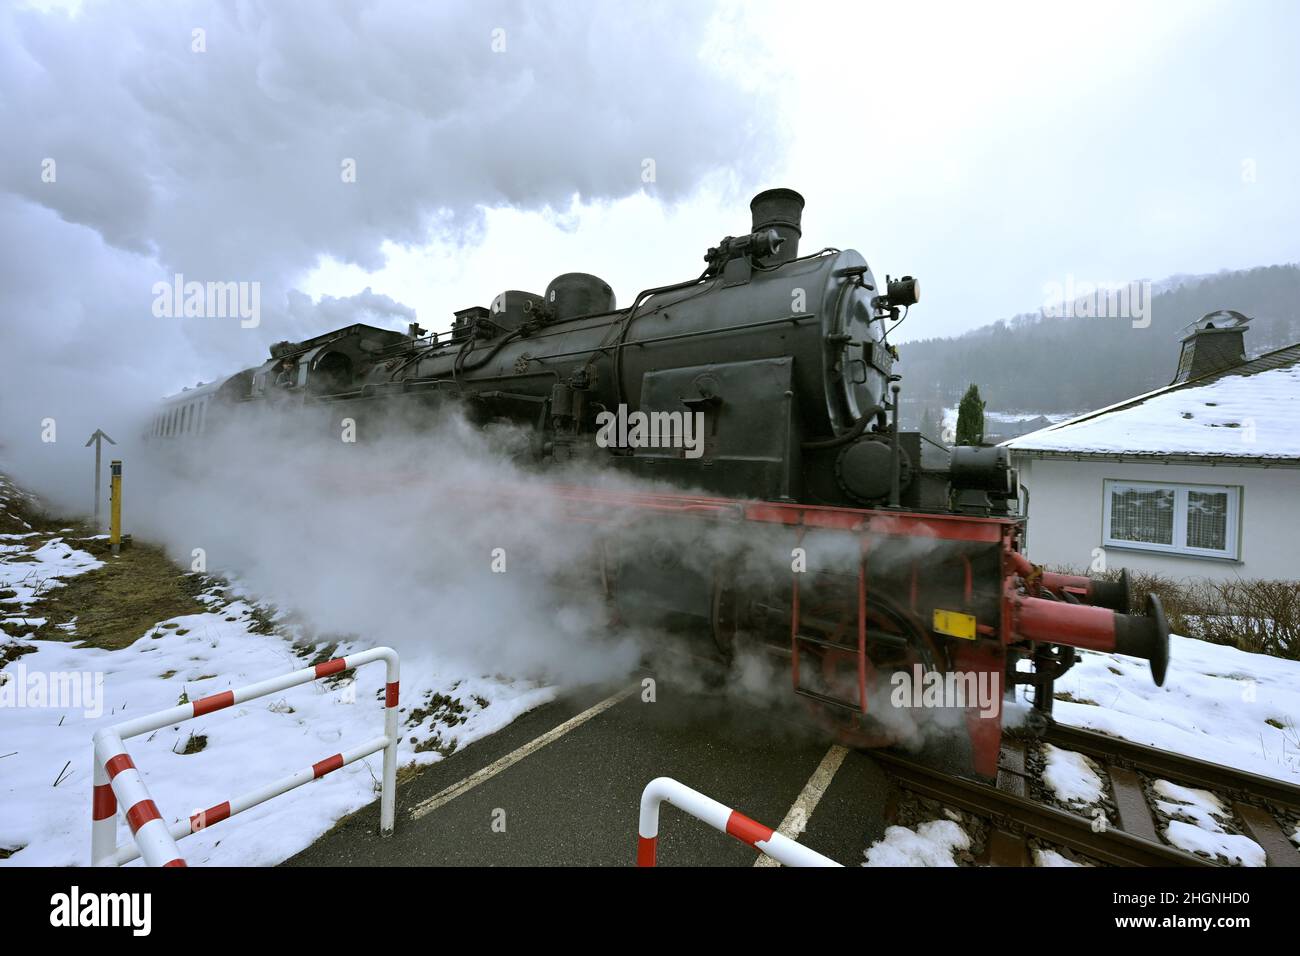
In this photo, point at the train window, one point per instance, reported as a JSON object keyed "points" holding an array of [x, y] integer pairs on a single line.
{"points": [[333, 373]]}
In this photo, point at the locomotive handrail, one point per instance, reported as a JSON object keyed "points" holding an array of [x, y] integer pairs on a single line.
{"points": [[722, 818], [116, 779]]}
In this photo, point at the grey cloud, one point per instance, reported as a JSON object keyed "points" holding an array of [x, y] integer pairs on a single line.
{"points": [[331, 312], [230, 160], [226, 165]]}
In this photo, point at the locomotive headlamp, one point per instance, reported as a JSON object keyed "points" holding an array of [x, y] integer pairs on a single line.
{"points": [[904, 291], [899, 294]]}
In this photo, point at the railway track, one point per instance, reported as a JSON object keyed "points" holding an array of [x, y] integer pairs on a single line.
{"points": [[1014, 814]]}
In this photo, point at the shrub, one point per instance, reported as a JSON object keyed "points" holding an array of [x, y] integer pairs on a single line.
{"points": [[1255, 615]]}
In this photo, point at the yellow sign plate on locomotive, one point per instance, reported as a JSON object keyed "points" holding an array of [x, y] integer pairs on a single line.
{"points": [[955, 624]]}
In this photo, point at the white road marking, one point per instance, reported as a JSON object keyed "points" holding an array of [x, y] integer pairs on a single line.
{"points": [[512, 758], [802, 810]]}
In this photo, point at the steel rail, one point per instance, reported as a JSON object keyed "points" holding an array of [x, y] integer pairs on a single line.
{"points": [[1111, 845], [1177, 767]]}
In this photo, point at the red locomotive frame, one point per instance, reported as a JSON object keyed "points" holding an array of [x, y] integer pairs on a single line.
{"points": [[1038, 612]]}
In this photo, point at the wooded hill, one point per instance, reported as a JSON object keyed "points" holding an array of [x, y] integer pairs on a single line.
{"points": [[1039, 364]]}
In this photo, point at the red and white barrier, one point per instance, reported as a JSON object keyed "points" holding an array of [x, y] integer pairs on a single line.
{"points": [[117, 781], [723, 819]]}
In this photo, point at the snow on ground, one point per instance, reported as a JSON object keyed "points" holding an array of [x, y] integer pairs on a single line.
{"points": [[1052, 858], [1197, 824], [930, 844], [44, 568], [1200, 806], [1218, 704], [247, 745], [1072, 777], [48, 722], [1238, 850]]}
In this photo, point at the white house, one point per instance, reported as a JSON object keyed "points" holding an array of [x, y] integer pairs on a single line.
{"points": [[1199, 479]]}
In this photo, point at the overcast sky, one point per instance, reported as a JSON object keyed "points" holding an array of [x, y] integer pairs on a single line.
{"points": [[989, 149]]}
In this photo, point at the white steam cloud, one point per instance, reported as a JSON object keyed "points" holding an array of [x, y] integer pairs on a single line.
{"points": [[248, 142], [434, 545]]}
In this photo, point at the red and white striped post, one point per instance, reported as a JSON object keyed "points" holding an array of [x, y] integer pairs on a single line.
{"points": [[152, 836], [723, 819], [103, 811], [116, 779]]}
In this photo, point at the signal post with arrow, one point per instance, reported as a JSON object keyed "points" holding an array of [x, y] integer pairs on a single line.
{"points": [[114, 489]]}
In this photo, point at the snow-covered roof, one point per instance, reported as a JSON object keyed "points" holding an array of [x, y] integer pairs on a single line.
{"points": [[1251, 411]]}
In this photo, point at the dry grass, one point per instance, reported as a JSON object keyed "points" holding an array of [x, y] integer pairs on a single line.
{"points": [[21, 512], [116, 605], [194, 744]]}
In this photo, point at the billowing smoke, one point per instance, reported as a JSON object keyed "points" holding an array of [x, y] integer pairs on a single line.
{"points": [[247, 143], [250, 142], [440, 546]]}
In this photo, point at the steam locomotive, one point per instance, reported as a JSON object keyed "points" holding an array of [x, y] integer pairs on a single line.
{"points": [[764, 391]]}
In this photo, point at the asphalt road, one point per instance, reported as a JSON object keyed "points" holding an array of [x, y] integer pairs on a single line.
{"points": [[574, 801]]}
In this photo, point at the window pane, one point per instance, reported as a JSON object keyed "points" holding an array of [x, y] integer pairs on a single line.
{"points": [[1207, 520], [1142, 515]]}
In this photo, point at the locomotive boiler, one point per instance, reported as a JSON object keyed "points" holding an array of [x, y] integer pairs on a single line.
{"points": [[764, 389]]}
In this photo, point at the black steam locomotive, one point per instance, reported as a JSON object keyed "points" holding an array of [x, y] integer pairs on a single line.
{"points": [[775, 366], [765, 389]]}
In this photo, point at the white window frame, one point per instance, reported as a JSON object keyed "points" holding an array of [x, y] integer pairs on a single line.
{"points": [[1231, 537]]}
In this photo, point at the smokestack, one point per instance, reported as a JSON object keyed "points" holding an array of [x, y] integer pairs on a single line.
{"points": [[782, 210], [1217, 341]]}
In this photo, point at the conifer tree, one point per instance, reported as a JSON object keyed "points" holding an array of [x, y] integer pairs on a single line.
{"points": [[970, 418]]}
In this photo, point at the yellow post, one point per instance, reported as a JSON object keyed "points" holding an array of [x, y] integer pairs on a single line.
{"points": [[115, 506]]}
